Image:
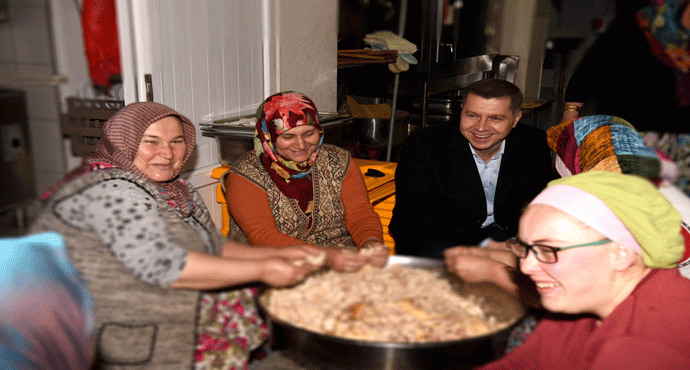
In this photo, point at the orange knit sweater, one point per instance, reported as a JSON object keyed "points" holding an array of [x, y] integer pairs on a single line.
{"points": [[248, 205]]}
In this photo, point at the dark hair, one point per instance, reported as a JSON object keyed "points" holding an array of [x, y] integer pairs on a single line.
{"points": [[494, 88]]}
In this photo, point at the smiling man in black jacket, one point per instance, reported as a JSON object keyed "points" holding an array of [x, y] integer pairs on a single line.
{"points": [[466, 183]]}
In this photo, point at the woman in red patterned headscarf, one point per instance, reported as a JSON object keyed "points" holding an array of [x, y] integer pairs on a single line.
{"points": [[292, 188]]}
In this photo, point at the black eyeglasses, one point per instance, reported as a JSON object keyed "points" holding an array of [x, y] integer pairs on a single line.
{"points": [[544, 253]]}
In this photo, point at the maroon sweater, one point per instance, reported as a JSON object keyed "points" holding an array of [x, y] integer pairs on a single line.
{"points": [[648, 330]]}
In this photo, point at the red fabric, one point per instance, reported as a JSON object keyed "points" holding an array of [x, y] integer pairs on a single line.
{"points": [[249, 206], [648, 328], [101, 43], [566, 147]]}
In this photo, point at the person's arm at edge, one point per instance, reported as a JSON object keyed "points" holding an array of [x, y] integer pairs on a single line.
{"points": [[203, 271], [571, 111], [234, 249]]}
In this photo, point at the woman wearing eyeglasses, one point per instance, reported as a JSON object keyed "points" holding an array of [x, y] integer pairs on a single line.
{"points": [[601, 248]]}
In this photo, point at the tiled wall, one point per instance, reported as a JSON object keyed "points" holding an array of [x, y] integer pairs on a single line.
{"points": [[25, 49]]}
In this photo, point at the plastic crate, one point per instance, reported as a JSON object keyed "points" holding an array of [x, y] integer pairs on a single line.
{"points": [[84, 121]]}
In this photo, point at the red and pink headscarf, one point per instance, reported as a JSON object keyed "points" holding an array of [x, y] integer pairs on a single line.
{"points": [[277, 114]]}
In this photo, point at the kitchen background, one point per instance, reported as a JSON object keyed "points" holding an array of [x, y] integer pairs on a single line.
{"points": [[213, 59]]}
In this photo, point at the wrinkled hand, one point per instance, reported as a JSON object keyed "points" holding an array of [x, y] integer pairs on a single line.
{"points": [[345, 260], [301, 254], [279, 272], [375, 252]]}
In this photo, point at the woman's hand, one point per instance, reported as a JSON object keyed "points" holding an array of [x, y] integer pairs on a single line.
{"points": [[344, 260], [497, 251], [376, 252], [475, 265], [464, 250], [279, 272], [471, 267], [303, 254], [471, 264], [571, 111]]}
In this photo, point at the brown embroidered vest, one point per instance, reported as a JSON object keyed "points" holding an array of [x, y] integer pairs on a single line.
{"points": [[328, 212]]}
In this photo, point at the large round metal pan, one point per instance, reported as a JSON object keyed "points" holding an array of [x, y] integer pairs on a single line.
{"points": [[334, 353]]}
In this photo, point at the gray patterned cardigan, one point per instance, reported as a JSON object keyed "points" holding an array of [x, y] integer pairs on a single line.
{"points": [[139, 325]]}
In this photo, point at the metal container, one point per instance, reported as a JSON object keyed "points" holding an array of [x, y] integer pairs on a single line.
{"points": [[231, 147], [373, 132], [334, 353], [435, 106]]}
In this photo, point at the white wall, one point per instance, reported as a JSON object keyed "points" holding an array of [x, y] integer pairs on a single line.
{"points": [[306, 45], [70, 59], [211, 60]]}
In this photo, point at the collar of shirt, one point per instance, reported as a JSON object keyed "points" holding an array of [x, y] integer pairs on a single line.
{"points": [[488, 172], [496, 156]]}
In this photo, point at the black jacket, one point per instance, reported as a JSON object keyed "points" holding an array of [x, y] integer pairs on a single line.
{"points": [[440, 200]]}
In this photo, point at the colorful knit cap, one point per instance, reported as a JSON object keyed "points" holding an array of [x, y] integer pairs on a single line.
{"points": [[604, 143], [278, 113], [122, 135], [668, 40], [643, 211]]}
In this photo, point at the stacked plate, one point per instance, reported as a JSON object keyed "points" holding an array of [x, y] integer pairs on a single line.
{"points": [[236, 126]]}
